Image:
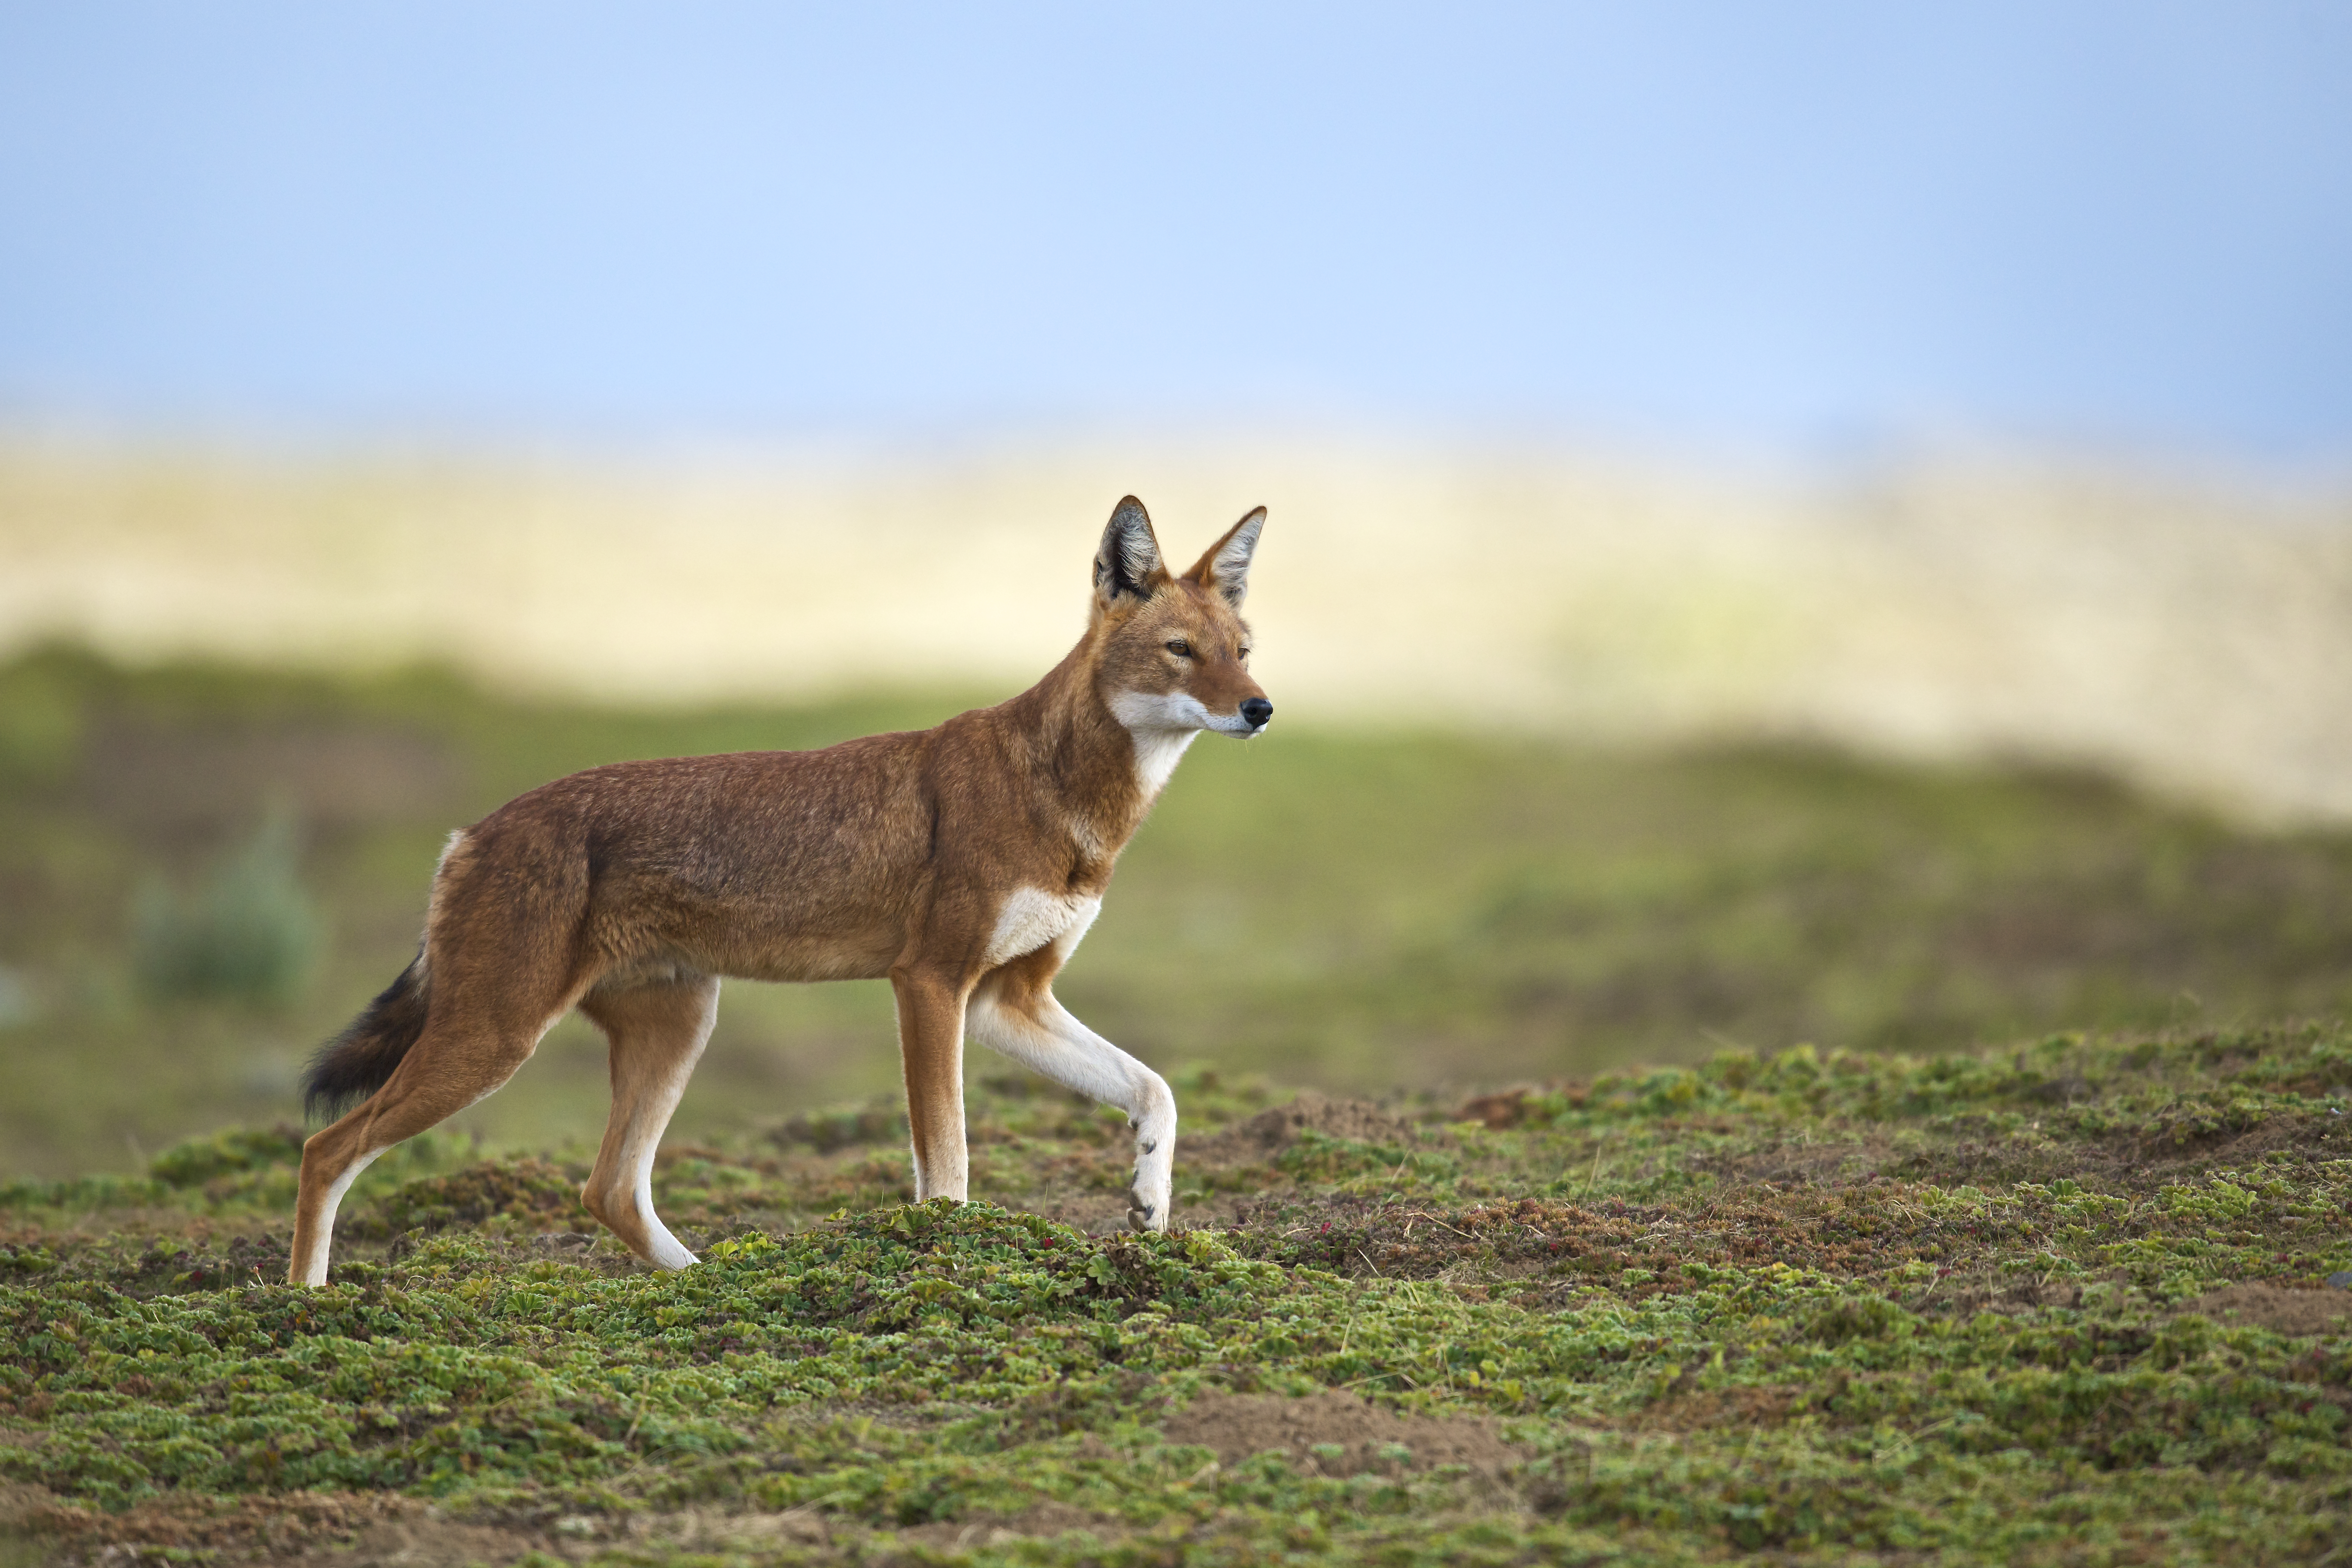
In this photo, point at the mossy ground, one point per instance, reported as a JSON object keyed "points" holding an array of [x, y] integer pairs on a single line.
{"points": [[2070, 1304]]}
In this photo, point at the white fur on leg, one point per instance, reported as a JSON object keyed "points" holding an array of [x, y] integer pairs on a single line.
{"points": [[665, 1250], [642, 1105], [1057, 1045], [949, 1176], [647, 1122], [312, 1269]]}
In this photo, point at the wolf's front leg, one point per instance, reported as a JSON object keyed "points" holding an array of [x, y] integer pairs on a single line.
{"points": [[1153, 1192], [1038, 1032], [930, 1050]]}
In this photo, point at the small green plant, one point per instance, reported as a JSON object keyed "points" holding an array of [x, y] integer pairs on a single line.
{"points": [[193, 1163], [250, 933]]}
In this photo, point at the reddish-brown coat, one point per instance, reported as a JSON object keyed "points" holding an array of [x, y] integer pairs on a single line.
{"points": [[627, 889]]}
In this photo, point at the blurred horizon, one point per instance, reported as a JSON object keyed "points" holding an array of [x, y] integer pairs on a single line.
{"points": [[2189, 636]]}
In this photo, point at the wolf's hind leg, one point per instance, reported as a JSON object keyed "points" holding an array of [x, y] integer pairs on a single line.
{"points": [[657, 1033], [452, 1064], [1033, 1028]]}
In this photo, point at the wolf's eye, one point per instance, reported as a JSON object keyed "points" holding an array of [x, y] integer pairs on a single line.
{"points": [[1181, 649]]}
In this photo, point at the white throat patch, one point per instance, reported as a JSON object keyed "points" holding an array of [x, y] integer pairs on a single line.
{"points": [[1162, 725], [1156, 752]]}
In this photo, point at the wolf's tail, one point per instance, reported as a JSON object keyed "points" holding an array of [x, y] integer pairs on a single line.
{"points": [[355, 1063]]}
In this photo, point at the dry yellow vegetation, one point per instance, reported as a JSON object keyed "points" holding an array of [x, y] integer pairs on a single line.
{"points": [[2192, 634]]}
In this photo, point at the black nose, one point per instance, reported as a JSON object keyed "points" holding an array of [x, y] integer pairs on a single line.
{"points": [[1257, 711]]}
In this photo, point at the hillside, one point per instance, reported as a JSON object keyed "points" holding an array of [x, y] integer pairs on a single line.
{"points": [[2079, 1302], [204, 870]]}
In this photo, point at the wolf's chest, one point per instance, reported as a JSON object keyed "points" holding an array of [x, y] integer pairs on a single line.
{"points": [[1033, 917]]}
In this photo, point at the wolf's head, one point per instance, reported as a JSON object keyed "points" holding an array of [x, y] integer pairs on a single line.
{"points": [[1173, 655]]}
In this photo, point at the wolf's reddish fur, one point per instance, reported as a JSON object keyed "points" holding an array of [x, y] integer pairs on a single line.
{"points": [[962, 862]]}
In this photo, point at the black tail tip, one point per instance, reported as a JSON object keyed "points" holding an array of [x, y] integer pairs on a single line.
{"points": [[329, 1088], [360, 1060]]}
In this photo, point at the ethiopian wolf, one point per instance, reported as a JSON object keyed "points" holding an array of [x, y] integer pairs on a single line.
{"points": [[963, 863]]}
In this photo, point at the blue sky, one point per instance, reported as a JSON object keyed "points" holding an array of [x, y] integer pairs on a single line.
{"points": [[1797, 226]]}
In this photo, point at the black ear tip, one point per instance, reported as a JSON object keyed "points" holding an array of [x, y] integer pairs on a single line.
{"points": [[1129, 554]]}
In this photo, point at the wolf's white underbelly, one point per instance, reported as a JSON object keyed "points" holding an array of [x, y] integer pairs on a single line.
{"points": [[1033, 917]]}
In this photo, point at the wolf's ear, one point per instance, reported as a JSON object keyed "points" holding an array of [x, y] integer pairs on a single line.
{"points": [[1227, 565], [1128, 559]]}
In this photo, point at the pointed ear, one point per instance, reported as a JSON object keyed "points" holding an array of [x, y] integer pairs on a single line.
{"points": [[1128, 559], [1227, 565]]}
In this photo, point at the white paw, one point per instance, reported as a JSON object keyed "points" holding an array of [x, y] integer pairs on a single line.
{"points": [[666, 1250], [1155, 1161], [1143, 1214]]}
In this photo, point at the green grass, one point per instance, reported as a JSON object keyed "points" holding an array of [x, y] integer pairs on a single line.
{"points": [[2066, 1304]]}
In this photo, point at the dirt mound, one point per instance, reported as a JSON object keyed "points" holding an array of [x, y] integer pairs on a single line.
{"points": [[537, 1194], [2327, 1136], [2277, 1309], [1339, 1434], [1269, 1132]]}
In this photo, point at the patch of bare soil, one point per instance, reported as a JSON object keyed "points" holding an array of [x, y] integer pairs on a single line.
{"points": [[311, 1529], [1340, 1434], [1713, 1408], [2277, 1309], [425, 1541], [1043, 1521], [694, 1530], [1269, 1132], [2148, 1159], [1096, 1213], [1808, 1163], [1356, 1236], [2327, 1136], [1985, 1157], [1504, 1108]]}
